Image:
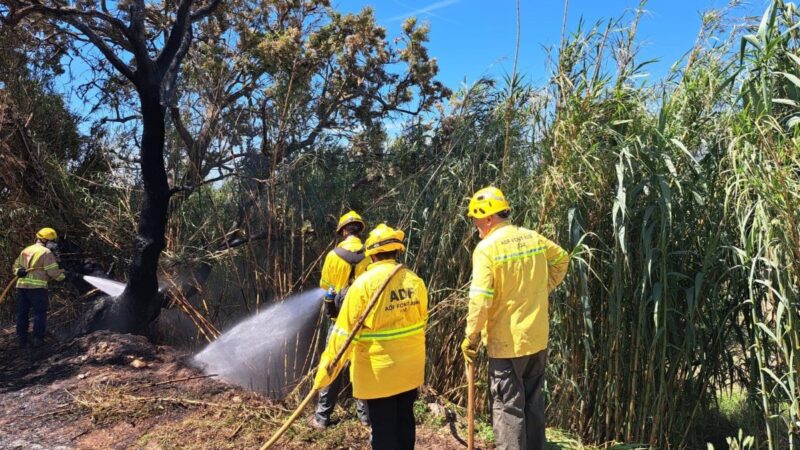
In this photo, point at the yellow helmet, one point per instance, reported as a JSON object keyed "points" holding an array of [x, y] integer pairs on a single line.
{"points": [[48, 234], [487, 202], [350, 217], [384, 239]]}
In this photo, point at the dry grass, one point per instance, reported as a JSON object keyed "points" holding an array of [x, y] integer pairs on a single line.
{"points": [[678, 200]]}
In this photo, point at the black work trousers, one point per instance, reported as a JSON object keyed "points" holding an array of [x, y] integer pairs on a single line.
{"points": [[329, 395], [31, 300], [392, 421]]}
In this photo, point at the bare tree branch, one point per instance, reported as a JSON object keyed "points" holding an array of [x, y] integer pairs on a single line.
{"points": [[205, 10], [174, 40], [171, 75], [118, 119], [193, 187], [98, 42], [183, 132], [71, 17]]}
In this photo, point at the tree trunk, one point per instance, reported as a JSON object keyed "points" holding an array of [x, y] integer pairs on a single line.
{"points": [[140, 303]]}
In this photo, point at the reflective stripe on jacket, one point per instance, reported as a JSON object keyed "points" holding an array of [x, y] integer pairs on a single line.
{"points": [[41, 265], [513, 271], [336, 271], [387, 356]]}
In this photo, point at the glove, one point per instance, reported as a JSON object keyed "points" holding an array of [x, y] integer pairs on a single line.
{"points": [[469, 350], [21, 272]]}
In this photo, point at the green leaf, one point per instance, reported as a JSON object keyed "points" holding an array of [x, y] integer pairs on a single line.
{"points": [[762, 27], [785, 101], [768, 332], [698, 198], [753, 40], [792, 78], [794, 58], [670, 165], [685, 150]]}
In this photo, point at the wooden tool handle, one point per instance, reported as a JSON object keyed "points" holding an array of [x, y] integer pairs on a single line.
{"points": [[470, 406]]}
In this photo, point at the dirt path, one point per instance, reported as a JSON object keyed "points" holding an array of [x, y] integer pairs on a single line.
{"points": [[115, 391]]}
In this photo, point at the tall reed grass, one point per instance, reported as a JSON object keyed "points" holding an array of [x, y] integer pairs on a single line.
{"points": [[678, 200]]}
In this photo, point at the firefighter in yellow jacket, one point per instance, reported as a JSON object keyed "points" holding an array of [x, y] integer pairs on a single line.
{"points": [[513, 271], [387, 356], [342, 265], [34, 267]]}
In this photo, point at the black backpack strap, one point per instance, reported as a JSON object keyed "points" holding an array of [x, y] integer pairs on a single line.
{"points": [[352, 258]]}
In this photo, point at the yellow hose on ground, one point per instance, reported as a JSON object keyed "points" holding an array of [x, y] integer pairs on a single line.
{"points": [[333, 362]]}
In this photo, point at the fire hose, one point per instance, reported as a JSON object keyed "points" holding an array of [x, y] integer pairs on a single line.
{"points": [[333, 362], [8, 288]]}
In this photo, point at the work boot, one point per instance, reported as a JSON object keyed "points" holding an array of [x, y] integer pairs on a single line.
{"points": [[37, 342], [315, 424]]}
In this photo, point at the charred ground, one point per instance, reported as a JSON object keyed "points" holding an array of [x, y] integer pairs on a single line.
{"points": [[107, 390]]}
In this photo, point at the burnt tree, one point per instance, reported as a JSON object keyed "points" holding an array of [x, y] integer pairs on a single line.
{"points": [[145, 44]]}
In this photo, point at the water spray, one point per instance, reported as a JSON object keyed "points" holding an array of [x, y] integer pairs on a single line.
{"points": [[334, 361], [108, 287], [270, 351]]}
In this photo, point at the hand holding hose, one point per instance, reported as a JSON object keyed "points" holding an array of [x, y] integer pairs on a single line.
{"points": [[330, 306]]}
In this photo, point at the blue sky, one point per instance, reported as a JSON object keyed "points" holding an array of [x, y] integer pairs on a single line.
{"points": [[473, 38]]}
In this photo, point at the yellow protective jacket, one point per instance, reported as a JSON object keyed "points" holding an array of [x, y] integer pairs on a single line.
{"points": [[336, 271], [41, 265], [387, 356], [513, 271]]}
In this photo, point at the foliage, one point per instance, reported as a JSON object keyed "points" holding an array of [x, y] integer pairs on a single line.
{"points": [[678, 202]]}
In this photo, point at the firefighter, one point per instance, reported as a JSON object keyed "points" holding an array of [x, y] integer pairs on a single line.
{"points": [[513, 271], [342, 265], [387, 356], [34, 267]]}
